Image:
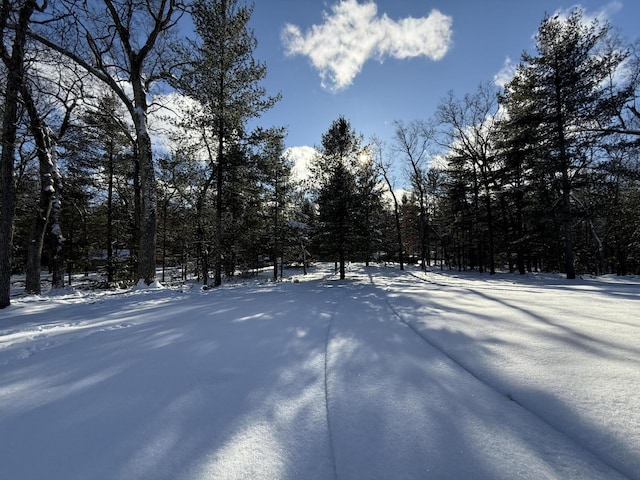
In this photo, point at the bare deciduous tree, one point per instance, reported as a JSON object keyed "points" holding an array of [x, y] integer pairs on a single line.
{"points": [[412, 143], [126, 45]]}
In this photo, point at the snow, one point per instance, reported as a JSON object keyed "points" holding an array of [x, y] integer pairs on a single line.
{"points": [[153, 285], [386, 374]]}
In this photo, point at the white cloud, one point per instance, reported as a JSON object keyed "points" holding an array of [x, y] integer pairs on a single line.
{"points": [[166, 112], [302, 158], [604, 14], [353, 32], [505, 74]]}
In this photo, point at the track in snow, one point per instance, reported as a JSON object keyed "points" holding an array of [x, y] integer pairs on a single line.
{"points": [[323, 379]]}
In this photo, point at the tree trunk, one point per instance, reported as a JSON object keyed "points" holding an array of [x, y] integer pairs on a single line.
{"points": [[422, 225], [148, 214], [148, 208], [221, 138], [110, 259], [479, 257], [396, 213], [566, 182], [137, 209], [8, 186], [205, 265], [275, 266], [36, 241], [44, 148], [276, 228], [399, 235], [55, 232], [203, 253], [14, 64], [304, 256], [7, 204], [568, 233], [520, 226], [489, 207], [219, 204]]}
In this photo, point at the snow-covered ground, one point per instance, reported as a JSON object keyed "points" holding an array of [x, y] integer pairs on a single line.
{"points": [[384, 375]]}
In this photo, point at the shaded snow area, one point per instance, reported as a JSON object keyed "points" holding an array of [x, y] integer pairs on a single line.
{"points": [[384, 375]]}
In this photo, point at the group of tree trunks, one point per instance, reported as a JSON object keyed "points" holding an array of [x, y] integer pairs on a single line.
{"points": [[540, 173]]}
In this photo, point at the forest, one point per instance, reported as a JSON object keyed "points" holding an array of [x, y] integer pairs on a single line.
{"points": [[540, 174]]}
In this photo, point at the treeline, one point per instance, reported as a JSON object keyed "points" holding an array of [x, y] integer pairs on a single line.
{"points": [[545, 173], [540, 174], [86, 85]]}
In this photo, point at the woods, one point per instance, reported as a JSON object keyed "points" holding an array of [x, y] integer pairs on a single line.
{"points": [[539, 174]]}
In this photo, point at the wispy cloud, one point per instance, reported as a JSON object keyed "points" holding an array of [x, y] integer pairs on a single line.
{"points": [[353, 32], [603, 14], [505, 74]]}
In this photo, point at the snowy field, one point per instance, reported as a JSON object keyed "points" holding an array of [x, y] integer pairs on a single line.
{"points": [[384, 375]]}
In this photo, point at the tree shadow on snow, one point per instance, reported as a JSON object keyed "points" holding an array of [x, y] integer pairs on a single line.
{"points": [[498, 356], [229, 384]]}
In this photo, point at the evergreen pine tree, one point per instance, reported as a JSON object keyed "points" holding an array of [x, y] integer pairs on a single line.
{"points": [[564, 89], [222, 76], [337, 195]]}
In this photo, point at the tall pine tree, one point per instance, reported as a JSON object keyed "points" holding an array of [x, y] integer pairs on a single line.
{"points": [[563, 88], [222, 75], [335, 171]]}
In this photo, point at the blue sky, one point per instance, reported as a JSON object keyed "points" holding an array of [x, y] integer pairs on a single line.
{"points": [[462, 43]]}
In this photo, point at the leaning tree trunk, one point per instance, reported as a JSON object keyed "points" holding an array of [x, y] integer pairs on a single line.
{"points": [[44, 148], [49, 205], [57, 240], [36, 236], [55, 232]]}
